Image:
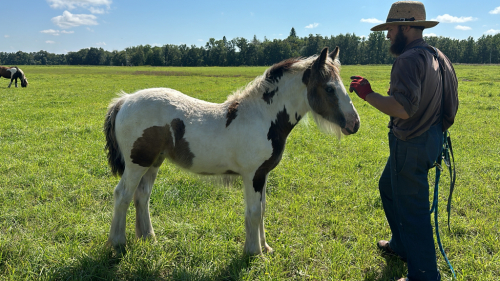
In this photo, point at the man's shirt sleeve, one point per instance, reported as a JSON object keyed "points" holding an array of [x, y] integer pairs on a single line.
{"points": [[406, 86]]}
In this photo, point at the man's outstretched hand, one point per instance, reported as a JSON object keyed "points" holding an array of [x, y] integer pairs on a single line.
{"points": [[361, 86]]}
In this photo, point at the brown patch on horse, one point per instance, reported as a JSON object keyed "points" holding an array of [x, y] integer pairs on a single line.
{"points": [[268, 95], [157, 143], [276, 71], [277, 134], [181, 154], [4, 72], [274, 74], [232, 111]]}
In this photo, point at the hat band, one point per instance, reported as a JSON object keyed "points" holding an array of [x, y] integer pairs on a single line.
{"points": [[400, 19]]}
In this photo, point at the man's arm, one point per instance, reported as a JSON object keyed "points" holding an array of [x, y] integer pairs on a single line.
{"points": [[387, 104]]}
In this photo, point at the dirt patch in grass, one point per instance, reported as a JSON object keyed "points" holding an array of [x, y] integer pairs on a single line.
{"points": [[178, 73]]}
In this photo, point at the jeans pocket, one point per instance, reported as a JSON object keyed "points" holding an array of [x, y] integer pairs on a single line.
{"points": [[406, 159], [407, 169]]}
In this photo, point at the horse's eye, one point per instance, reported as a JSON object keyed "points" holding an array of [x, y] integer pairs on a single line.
{"points": [[330, 89]]}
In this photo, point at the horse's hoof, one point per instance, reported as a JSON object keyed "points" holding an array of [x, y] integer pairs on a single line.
{"points": [[268, 249], [257, 252], [120, 249]]}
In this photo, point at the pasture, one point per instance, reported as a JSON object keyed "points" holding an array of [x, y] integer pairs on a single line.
{"points": [[324, 214]]}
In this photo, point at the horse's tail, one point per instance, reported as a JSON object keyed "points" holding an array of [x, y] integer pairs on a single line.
{"points": [[115, 157]]}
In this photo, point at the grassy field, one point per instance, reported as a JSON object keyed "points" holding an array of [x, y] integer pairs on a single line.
{"points": [[324, 212]]}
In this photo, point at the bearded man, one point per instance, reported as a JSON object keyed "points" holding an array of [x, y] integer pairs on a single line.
{"points": [[418, 118]]}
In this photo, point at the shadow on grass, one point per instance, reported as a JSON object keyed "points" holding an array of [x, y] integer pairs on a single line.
{"points": [[97, 265], [103, 264], [394, 269], [233, 271]]}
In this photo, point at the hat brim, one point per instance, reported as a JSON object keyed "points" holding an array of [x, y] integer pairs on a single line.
{"points": [[385, 26]]}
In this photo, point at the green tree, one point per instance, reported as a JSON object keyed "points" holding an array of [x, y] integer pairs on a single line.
{"points": [[95, 56], [119, 58], [137, 57], [172, 55]]}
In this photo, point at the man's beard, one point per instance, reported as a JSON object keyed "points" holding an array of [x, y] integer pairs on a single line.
{"points": [[399, 43]]}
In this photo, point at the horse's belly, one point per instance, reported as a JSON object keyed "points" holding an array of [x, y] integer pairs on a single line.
{"points": [[221, 157]]}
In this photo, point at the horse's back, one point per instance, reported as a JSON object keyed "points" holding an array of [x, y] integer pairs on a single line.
{"points": [[156, 106]]}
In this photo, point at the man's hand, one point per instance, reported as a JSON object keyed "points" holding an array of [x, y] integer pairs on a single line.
{"points": [[361, 86]]}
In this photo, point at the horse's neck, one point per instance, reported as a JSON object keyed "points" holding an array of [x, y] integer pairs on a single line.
{"points": [[289, 94]]}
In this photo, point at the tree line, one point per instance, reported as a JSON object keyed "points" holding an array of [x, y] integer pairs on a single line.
{"points": [[242, 52]]}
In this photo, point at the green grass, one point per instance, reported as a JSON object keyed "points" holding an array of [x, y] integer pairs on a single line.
{"points": [[324, 212]]}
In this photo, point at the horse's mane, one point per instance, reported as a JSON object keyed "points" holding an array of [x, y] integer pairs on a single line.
{"points": [[265, 81]]}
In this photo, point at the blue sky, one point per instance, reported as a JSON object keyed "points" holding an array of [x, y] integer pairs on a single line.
{"points": [[61, 26]]}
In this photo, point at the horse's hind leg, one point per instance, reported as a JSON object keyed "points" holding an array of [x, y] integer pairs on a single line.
{"points": [[10, 83], [123, 196], [143, 227]]}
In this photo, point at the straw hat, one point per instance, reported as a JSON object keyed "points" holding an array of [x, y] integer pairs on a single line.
{"points": [[406, 13]]}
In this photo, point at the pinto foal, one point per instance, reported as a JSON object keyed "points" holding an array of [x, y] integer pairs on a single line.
{"points": [[13, 73], [245, 136]]}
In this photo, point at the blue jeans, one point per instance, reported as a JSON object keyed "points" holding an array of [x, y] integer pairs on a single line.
{"points": [[404, 190]]}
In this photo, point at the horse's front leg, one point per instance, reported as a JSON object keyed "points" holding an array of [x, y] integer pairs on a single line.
{"points": [[254, 217], [15, 82], [123, 194], [143, 227], [261, 228]]}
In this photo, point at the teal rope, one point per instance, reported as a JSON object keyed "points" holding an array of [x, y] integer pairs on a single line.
{"points": [[434, 208]]}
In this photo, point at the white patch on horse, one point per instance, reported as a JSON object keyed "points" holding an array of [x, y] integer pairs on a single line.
{"points": [[246, 135], [12, 71]]}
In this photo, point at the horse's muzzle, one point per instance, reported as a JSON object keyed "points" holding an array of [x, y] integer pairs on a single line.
{"points": [[352, 125]]}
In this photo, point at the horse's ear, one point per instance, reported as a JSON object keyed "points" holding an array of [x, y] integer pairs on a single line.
{"points": [[333, 55], [320, 61]]}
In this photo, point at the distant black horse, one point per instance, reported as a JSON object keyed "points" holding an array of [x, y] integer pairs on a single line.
{"points": [[13, 72]]}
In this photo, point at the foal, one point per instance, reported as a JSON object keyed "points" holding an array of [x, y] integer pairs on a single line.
{"points": [[13, 73], [245, 135]]}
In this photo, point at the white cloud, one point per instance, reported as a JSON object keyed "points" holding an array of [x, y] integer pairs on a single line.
{"points": [[72, 4], [51, 32], [313, 25], [492, 31], [101, 43], [372, 20], [430, 34], [461, 27], [96, 10], [6, 36], [67, 32], [451, 19], [68, 20], [495, 11], [50, 42]]}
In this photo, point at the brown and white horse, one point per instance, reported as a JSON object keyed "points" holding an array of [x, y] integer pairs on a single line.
{"points": [[245, 135], [13, 73]]}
